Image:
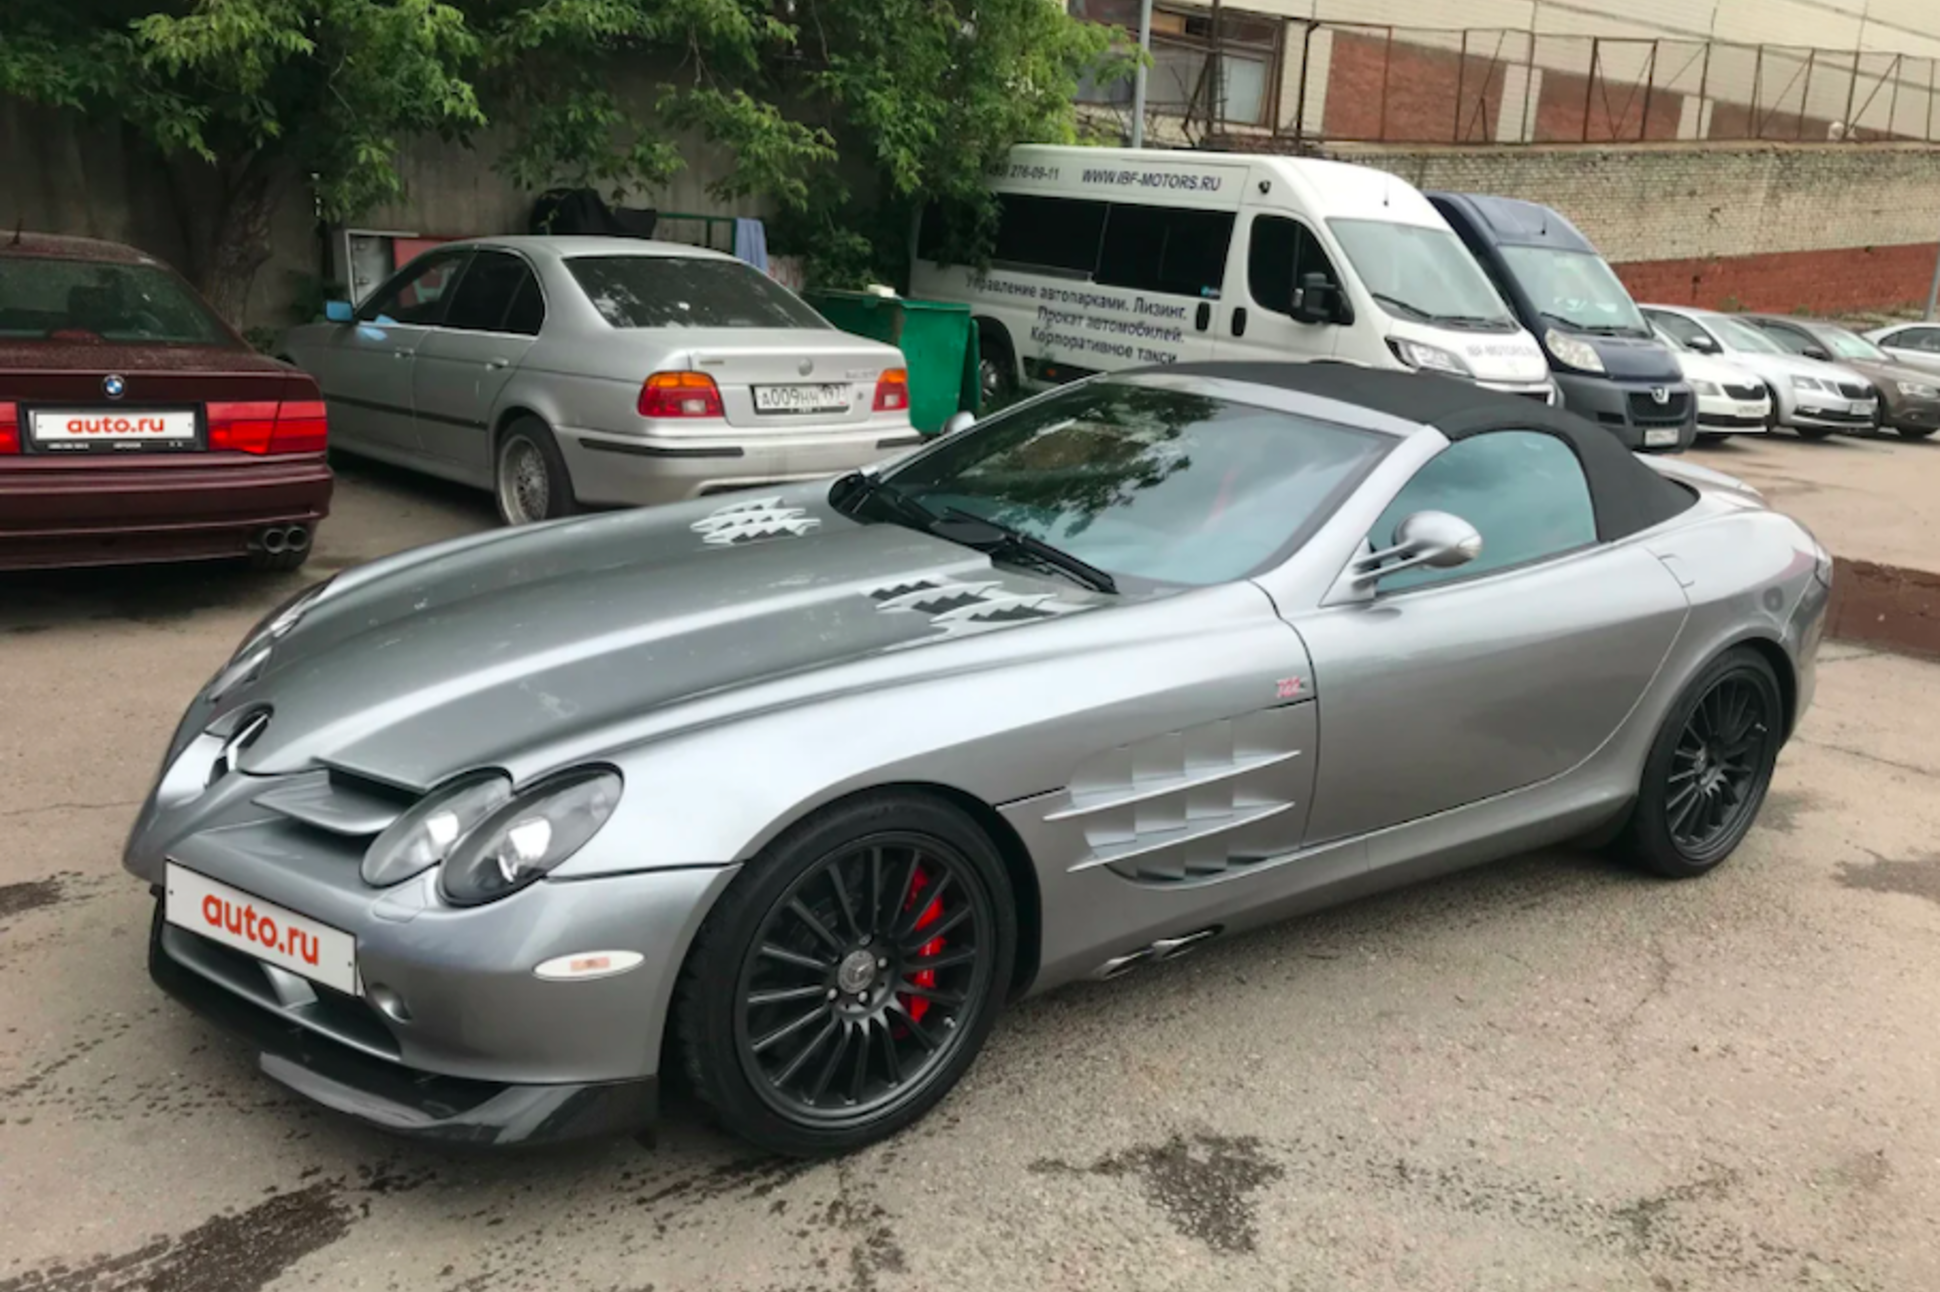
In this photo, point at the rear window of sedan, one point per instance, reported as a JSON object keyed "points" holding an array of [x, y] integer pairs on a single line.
{"points": [[676, 291], [45, 298]]}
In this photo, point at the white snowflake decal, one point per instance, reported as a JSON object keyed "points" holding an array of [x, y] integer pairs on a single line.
{"points": [[752, 519], [956, 608]]}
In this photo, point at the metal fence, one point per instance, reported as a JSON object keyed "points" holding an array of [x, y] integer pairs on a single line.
{"points": [[1300, 83]]}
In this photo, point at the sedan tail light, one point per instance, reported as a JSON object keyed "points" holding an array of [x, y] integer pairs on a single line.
{"points": [[892, 391], [680, 394], [268, 426], [9, 428]]}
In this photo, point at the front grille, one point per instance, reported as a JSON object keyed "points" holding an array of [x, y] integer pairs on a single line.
{"points": [[1744, 392], [1646, 411], [1855, 390], [344, 1019]]}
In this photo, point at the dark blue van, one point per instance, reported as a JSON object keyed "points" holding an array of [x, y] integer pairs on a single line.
{"points": [[1608, 365]]}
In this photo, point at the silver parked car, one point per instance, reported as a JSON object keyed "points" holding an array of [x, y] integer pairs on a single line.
{"points": [[1914, 344], [602, 371], [1812, 398], [798, 788]]}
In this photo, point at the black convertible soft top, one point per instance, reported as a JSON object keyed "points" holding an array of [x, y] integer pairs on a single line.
{"points": [[1627, 494]]}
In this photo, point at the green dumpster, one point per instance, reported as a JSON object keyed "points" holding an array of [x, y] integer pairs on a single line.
{"points": [[938, 340]]}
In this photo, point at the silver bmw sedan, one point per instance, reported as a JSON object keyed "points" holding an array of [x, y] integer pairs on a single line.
{"points": [[568, 372]]}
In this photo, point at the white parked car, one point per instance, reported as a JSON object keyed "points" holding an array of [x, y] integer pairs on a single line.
{"points": [[1731, 399], [606, 371], [1915, 344], [1813, 398]]}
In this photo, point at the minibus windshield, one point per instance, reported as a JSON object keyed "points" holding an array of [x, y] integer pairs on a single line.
{"points": [[1422, 273]]}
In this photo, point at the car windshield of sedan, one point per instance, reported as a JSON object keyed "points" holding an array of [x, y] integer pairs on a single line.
{"points": [[681, 291], [1147, 482], [44, 298], [1743, 336], [1850, 345]]}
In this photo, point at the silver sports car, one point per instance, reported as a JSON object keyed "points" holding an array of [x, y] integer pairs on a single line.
{"points": [[606, 371], [794, 790]]}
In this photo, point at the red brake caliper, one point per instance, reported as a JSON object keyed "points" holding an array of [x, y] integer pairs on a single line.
{"points": [[918, 1005]]}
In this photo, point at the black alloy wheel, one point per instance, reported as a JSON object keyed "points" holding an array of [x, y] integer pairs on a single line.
{"points": [[1709, 768], [845, 983]]}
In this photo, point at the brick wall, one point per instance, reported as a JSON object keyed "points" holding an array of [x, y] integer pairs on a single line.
{"points": [[1377, 89], [1769, 226]]}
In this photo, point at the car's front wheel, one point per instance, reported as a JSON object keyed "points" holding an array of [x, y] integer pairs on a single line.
{"points": [[846, 981], [1709, 768], [529, 477], [1915, 432]]}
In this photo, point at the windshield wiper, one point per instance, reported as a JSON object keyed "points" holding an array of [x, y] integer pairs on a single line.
{"points": [[1467, 320], [861, 488], [989, 536], [1408, 306]]}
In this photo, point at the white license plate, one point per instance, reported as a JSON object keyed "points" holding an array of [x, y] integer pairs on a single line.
{"points": [[261, 929], [830, 398], [1750, 410], [1657, 439], [72, 429]]}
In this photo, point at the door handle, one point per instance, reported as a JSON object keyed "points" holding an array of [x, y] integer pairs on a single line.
{"points": [[1203, 319], [497, 363], [1239, 321]]}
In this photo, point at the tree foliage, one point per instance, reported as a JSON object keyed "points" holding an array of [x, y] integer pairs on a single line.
{"points": [[844, 114]]}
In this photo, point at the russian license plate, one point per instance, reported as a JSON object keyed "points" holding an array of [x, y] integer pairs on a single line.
{"points": [[827, 398], [1660, 439], [1750, 410], [71, 430], [261, 929]]}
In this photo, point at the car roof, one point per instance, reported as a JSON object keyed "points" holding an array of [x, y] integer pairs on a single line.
{"points": [[54, 246], [1627, 495], [1512, 222], [569, 246]]}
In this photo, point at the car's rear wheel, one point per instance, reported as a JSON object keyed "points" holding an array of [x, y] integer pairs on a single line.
{"points": [[846, 981], [1709, 768], [530, 479]]}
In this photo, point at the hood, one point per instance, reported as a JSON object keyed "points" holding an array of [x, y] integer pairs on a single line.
{"points": [[1632, 358], [1782, 367], [1510, 357], [1886, 374], [1722, 372], [470, 653]]}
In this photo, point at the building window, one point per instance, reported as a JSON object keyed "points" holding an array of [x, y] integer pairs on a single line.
{"points": [[1249, 61]]}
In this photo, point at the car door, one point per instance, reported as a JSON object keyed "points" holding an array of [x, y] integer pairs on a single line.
{"points": [[366, 375], [1453, 686], [1918, 346], [464, 363], [1273, 252]]}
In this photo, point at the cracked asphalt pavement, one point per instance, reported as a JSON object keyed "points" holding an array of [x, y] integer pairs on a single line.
{"points": [[1547, 1074]]}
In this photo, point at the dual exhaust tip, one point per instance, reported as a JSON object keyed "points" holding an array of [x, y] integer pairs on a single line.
{"points": [[282, 538], [1163, 949]]}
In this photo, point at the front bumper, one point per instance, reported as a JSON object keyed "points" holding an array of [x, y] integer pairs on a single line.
{"points": [[1818, 410], [1910, 412], [59, 511], [1631, 412], [387, 1096], [631, 471]]}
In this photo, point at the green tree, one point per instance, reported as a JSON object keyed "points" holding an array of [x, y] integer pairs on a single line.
{"points": [[844, 113]]}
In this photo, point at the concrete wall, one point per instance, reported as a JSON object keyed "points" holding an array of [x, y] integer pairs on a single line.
{"points": [[1769, 226]]}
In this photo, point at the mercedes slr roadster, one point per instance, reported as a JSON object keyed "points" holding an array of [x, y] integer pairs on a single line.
{"points": [[791, 791]]}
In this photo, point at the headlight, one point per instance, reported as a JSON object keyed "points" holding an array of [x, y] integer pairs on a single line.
{"points": [[1919, 390], [1573, 352], [1706, 388], [1807, 383], [1428, 358], [529, 836], [425, 835]]}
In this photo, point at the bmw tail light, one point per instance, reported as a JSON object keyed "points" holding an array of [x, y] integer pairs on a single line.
{"points": [[892, 391], [246, 427], [9, 428], [302, 426], [680, 394], [268, 426]]}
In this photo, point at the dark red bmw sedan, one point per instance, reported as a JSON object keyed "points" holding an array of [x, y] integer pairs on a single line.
{"points": [[135, 425]]}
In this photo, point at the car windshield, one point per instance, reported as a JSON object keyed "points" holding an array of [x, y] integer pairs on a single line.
{"points": [[1742, 336], [45, 298], [1575, 289], [1850, 345], [1421, 273], [1145, 482], [682, 291]]}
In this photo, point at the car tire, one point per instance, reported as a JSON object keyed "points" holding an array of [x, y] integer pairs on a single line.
{"points": [[1915, 432], [1692, 811], [1812, 433], [791, 1033], [530, 482], [996, 369]]}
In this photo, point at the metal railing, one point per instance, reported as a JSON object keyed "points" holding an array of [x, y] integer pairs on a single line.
{"points": [[1348, 82]]}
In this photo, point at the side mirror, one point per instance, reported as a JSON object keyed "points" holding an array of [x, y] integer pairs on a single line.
{"points": [[1704, 345], [338, 311], [1434, 539], [959, 422], [1316, 300], [1818, 352]]}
